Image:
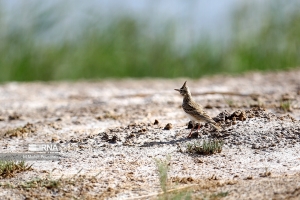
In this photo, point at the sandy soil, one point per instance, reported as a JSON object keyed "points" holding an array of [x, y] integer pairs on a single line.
{"points": [[109, 141]]}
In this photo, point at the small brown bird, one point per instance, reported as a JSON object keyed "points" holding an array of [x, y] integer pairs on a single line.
{"points": [[194, 111]]}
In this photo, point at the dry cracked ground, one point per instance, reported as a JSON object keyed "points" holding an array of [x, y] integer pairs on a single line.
{"points": [[112, 132]]}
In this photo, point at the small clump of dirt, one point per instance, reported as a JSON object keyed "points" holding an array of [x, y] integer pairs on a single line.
{"points": [[190, 125], [14, 116], [108, 115], [168, 126], [241, 115], [21, 131], [113, 139], [107, 138]]}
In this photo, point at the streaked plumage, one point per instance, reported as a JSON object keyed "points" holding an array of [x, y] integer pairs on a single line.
{"points": [[193, 110]]}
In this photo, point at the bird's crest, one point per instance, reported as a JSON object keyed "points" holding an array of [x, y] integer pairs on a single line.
{"points": [[184, 85]]}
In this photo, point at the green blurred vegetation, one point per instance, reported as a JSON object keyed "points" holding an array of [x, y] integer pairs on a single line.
{"points": [[126, 48]]}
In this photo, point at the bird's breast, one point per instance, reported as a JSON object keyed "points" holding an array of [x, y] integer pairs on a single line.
{"points": [[190, 117]]}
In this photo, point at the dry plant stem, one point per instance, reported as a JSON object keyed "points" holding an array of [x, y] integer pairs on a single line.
{"points": [[161, 193]]}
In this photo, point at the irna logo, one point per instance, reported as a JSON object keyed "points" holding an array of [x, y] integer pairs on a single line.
{"points": [[43, 147]]}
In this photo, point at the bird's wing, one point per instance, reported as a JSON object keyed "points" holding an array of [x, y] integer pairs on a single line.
{"points": [[196, 110]]}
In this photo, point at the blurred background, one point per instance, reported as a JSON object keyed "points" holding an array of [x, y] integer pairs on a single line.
{"points": [[72, 39]]}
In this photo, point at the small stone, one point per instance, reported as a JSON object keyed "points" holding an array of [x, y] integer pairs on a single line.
{"points": [[73, 140], [54, 138], [195, 135], [113, 139], [13, 117], [168, 126], [208, 106], [255, 146], [190, 125], [104, 136], [156, 122], [198, 160]]}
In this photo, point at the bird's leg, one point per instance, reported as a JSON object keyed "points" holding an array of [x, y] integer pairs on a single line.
{"points": [[199, 126], [191, 131]]}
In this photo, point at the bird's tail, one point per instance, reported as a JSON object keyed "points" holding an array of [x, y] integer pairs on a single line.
{"points": [[217, 127]]}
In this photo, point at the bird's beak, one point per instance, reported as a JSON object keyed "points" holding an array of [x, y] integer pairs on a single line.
{"points": [[177, 90]]}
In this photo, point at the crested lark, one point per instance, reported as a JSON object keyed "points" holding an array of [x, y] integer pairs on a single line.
{"points": [[194, 111]]}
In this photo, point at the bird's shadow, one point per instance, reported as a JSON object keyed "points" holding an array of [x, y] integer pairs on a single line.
{"points": [[149, 144]]}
